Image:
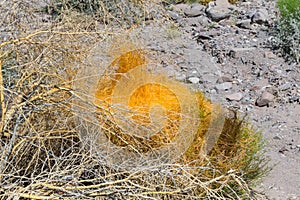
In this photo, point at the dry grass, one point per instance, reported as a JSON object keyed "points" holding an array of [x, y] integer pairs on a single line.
{"points": [[49, 125]]}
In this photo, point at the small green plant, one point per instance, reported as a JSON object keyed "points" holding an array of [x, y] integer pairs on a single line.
{"points": [[288, 37], [289, 8], [172, 31]]}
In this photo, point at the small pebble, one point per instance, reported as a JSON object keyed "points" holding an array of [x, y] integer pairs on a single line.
{"points": [[194, 80], [235, 96], [224, 86], [265, 99], [277, 137]]}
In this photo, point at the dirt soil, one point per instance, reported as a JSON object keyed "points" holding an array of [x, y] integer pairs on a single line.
{"points": [[233, 62]]}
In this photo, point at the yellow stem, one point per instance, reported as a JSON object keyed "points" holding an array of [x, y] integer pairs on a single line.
{"points": [[3, 109]]}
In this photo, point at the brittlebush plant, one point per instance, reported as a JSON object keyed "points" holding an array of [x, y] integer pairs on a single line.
{"points": [[239, 146]]}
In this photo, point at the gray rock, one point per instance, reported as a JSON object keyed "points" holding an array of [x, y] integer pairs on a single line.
{"points": [[217, 15], [246, 100], [224, 86], [277, 137], [223, 79], [190, 22], [203, 20], [260, 16], [284, 87], [174, 15], [180, 76], [213, 91], [218, 10], [239, 52], [235, 96], [209, 78], [194, 10], [179, 7], [194, 80], [269, 54], [244, 24], [283, 150], [294, 99], [265, 99], [194, 21]]}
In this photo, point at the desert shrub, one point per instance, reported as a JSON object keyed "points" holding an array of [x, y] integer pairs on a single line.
{"points": [[238, 148], [288, 34], [124, 13], [90, 6]]}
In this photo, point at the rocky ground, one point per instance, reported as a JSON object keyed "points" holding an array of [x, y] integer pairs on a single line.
{"points": [[226, 50]]}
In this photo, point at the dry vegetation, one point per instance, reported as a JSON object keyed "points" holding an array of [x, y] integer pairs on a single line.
{"points": [[48, 122]]}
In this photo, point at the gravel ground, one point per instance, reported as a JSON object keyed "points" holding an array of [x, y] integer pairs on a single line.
{"points": [[226, 50]]}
